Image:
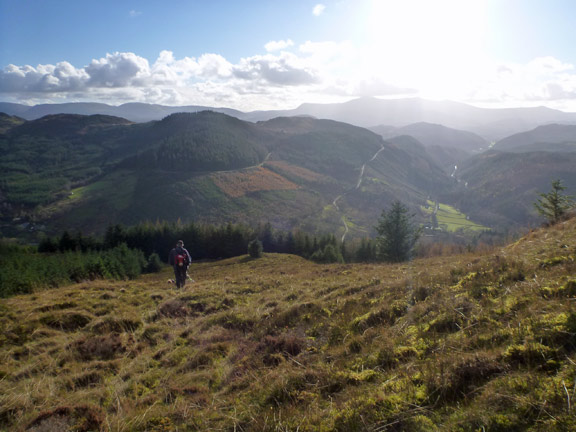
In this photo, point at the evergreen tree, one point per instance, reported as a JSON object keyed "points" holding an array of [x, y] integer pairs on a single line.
{"points": [[267, 237], [329, 254], [114, 236], [154, 264], [48, 245], [554, 205], [66, 243], [255, 249], [397, 234]]}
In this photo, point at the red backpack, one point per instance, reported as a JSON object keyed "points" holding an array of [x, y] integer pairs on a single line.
{"points": [[181, 260]]}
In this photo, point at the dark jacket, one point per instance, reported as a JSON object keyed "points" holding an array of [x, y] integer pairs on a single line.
{"points": [[177, 251]]}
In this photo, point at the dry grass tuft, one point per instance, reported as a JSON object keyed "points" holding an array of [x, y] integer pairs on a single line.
{"points": [[104, 347], [80, 419]]}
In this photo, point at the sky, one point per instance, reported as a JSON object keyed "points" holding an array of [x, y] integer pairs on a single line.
{"points": [[277, 54]]}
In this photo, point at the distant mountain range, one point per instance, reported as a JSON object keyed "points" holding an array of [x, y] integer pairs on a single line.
{"points": [[446, 145], [491, 124], [72, 171], [135, 112]]}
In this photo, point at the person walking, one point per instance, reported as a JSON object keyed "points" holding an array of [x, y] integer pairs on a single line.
{"points": [[180, 259]]}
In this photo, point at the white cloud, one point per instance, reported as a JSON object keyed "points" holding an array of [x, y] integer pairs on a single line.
{"points": [[117, 70], [44, 78], [318, 9], [314, 72], [284, 69], [278, 45], [214, 66], [542, 79], [134, 13]]}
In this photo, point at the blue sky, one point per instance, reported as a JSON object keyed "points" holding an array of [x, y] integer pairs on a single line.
{"points": [[277, 54]]}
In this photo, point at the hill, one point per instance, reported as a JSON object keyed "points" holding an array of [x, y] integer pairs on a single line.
{"points": [[500, 187], [73, 172], [136, 112], [435, 135], [41, 160], [8, 122], [553, 137], [208, 167], [447, 146], [464, 342]]}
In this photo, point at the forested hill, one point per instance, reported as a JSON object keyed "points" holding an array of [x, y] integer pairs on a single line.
{"points": [[205, 141], [66, 172], [86, 172]]}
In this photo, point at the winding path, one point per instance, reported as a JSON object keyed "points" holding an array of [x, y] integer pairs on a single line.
{"points": [[358, 184]]}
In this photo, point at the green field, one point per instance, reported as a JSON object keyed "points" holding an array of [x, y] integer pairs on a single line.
{"points": [[450, 219]]}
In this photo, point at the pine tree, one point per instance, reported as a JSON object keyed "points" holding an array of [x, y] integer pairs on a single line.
{"points": [[554, 205], [397, 234], [255, 249]]}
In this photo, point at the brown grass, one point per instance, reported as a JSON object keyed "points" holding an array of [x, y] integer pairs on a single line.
{"points": [[296, 171], [239, 183], [460, 342]]}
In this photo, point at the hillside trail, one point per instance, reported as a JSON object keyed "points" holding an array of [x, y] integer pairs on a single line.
{"points": [[358, 184]]}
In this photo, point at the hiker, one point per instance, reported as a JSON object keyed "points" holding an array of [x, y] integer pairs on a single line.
{"points": [[180, 259]]}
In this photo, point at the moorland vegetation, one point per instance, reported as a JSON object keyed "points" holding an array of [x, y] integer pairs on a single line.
{"points": [[465, 342]]}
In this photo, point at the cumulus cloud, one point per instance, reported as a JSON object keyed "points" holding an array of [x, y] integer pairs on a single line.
{"points": [[117, 70], [318, 9], [284, 69], [43, 78], [120, 77], [214, 66], [314, 72], [278, 45]]}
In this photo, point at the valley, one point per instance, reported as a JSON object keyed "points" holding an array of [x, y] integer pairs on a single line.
{"points": [[85, 172]]}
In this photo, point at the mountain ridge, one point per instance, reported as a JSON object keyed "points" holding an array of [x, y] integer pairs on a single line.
{"points": [[552, 137], [492, 124]]}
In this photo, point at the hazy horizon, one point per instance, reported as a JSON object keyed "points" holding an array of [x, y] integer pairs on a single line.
{"points": [[275, 55]]}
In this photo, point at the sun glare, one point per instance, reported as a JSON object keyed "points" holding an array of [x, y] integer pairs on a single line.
{"points": [[431, 45]]}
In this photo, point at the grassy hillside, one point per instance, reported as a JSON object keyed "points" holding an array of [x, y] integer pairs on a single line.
{"points": [[459, 343]]}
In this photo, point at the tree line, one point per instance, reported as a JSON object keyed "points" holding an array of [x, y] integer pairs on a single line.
{"points": [[23, 269], [397, 235], [204, 241], [126, 252]]}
